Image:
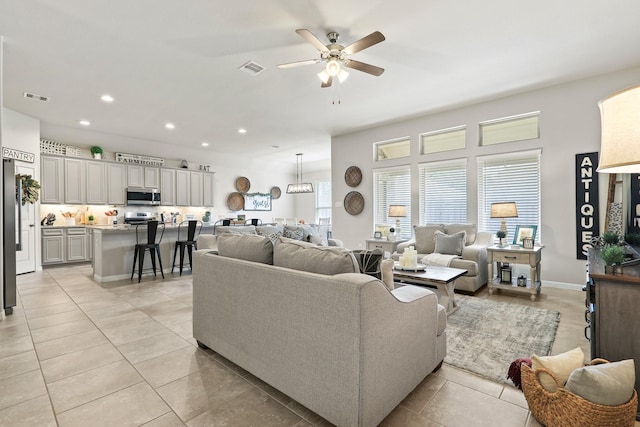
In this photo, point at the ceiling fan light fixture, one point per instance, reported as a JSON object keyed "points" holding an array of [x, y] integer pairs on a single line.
{"points": [[333, 67], [324, 76], [342, 75]]}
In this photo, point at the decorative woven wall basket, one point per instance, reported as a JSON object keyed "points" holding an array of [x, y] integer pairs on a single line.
{"points": [[235, 201], [243, 184], [353, 203], [275, 192], [353, 176]]}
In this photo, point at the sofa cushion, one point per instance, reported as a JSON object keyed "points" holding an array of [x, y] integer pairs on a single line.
{"points": [[293, 232], [470, 229], [561, 365], [207, 241], [249, 247], [606, 383], [270, 231], [425, 236], [442, 319], [449, 244], [236, 229], [465, 264], [305, 256]]}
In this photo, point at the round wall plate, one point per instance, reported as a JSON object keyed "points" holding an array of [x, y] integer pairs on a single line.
{"points": [[275, 192], [243, 184], [353, 176], [235, 201], [354, 203]]}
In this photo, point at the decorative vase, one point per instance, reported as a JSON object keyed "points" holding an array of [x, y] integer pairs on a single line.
{"points": [[609, 269]]}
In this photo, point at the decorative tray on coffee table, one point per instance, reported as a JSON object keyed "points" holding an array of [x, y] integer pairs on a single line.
{"points": [[418, 267]]}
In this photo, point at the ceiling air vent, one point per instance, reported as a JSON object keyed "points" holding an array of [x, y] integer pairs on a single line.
{"points": [[36, 97], [251, 68]]}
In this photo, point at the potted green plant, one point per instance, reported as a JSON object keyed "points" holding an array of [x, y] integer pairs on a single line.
{"points": [[90, 218], [500, 234], [610, 238], [206, 218], [613, 256], [97, 152]]}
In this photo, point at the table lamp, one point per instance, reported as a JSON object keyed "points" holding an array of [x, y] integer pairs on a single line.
{"points": [[504, 210], [397, 212]]}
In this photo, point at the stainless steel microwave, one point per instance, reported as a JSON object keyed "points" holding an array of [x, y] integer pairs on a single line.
{"points": [[143, 196]]}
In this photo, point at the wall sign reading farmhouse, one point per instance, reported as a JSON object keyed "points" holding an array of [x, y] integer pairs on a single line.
{"points": [[587, 217], [135, 159]]}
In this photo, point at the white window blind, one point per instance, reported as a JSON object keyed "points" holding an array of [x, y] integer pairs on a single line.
{"points": [[323, 200], [392, 186], [443, 192], [512, 177]]}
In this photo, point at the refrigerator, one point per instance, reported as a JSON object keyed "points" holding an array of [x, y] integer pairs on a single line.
{"points": [[11, 215]]}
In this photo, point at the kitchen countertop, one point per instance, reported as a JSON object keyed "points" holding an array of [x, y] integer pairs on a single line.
{"points": [[119, 227]]}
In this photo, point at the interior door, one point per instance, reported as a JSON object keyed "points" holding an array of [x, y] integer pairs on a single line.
{"points": [[26, 258]]}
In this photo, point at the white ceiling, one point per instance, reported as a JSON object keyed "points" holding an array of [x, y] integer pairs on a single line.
{"points": [[177, 61]]}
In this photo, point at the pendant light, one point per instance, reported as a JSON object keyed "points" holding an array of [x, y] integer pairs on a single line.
{"points": [[299, 186]]}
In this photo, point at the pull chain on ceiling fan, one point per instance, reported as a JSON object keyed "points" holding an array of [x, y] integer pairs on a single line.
{"points": [[337, 56]]}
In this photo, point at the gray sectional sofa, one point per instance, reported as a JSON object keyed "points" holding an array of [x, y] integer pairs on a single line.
{"points": [[473, 250], [303, 319]]}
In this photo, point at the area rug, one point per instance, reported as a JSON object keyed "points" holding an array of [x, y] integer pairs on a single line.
{"points": [[485, 336]]}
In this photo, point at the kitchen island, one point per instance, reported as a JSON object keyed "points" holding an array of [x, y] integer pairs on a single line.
{"points": [[113, 249]]}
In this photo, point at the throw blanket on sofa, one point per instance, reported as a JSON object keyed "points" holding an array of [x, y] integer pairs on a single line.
{"points": [[439, 259]]}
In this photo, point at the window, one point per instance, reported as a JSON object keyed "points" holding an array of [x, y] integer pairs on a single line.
{"points": [[393, 149], [513, 177], [323, 200], [392, 186], [443, 140], [510, 129], [443, 192]]}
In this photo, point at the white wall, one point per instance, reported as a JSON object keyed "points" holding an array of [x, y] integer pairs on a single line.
{"points": [[305, 204], [569, 124], [23, 133]]}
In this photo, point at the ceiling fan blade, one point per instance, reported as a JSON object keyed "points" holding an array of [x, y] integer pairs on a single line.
{"points": [[361, 66], [299, 63], [308, 35], [365, 42], [328, 83]]}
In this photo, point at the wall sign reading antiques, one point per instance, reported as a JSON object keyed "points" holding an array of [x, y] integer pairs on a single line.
{"points": [[587, 214], [135, 159]]}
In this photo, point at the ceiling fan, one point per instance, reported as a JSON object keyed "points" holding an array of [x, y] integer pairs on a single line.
{"points": [[337, 56]]}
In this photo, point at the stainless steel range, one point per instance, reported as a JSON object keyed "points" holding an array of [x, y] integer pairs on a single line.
{"points": [[139, 217]]}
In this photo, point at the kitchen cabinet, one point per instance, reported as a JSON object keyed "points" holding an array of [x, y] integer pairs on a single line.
{"points": [[151, 177], [96, 173], [61, 245], [143, 176], [52, 246], [195, 192], [74, 181], [168, 187], [207, 190], [52, 178], [183, 190], [116, 184]]}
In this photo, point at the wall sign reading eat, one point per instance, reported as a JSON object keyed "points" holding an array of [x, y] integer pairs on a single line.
{"points": [[587, 217]]}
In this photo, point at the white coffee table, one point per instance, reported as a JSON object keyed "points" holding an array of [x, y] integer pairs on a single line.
{"points": [[443, 278]]}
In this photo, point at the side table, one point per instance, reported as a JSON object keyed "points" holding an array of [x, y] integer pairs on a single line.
{"points": [[509, 255], [386, 245]]}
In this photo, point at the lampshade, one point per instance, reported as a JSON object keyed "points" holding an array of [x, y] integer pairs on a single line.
{"points": [[620, 140], [397, 211], [324, 76], [299, 186], [504, 210], [333, 67]]}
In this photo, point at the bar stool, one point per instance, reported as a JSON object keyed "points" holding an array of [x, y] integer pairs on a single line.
{"points": [[190, 243], [253, 221], [152, 246]]}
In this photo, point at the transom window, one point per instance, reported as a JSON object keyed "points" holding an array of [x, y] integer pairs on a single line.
{"points": [[393, 149], [443, 140], [510, 129]]}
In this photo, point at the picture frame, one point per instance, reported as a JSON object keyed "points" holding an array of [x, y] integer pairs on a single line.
{"points": [[377, 235], [257, 201], [523, 231]]}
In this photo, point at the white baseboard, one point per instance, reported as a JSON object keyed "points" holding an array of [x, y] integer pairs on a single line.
{"points": [[562, 285]]}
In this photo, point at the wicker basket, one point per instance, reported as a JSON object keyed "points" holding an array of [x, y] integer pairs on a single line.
{"points": [[565, 409]]}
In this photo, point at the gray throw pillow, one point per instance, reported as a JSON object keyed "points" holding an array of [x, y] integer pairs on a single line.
{"points": [[450, 244], [469, 228], [607, 383], [425, 237], [295, 233], [249, 247]]}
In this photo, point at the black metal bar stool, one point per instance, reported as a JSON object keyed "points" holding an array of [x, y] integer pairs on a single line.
{"points": [[190, 243], [152, 246]]}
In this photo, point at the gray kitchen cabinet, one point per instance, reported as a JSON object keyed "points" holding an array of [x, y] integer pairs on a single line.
{"points": [[151, 177], [96, 178], [195, 191], [52, 179], [168, 187], [76, 244], [52, 246], [183, 190], [143, 176], [207, 190], [116, 184], [74, 181]]}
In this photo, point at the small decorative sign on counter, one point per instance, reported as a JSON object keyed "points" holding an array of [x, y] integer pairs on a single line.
{"points": [[136, 159]]}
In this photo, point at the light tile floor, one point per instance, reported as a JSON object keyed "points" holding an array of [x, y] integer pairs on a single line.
{"points": [[75, 353]]}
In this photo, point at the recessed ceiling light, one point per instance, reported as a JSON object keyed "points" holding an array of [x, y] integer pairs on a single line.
{"points": [[107, 98], [241, 130], [170, 126], [204, 144], [84, 122]]}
